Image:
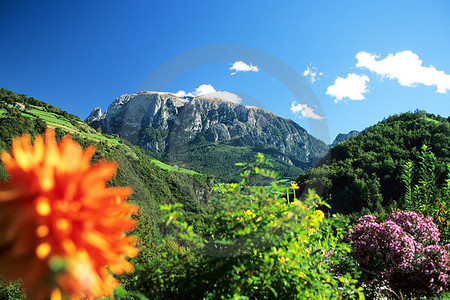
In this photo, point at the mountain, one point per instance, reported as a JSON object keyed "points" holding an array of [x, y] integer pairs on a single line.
{"points": [[364, 172], [344, 136], [94, 115], [154, 183], [179, 128]]}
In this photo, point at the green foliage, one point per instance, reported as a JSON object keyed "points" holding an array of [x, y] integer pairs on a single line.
{"points": [[423, 194], [199, 155], [259, 246], [365, 171], [11, 98], [13, 124], [11, 291], [153, 186], [154, 135]]}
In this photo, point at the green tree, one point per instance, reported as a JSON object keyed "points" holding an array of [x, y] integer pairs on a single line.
{"points": [[260, 246], [422, 194], [380, 152]]}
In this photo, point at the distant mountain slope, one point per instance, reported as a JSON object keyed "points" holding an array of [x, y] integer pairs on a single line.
{"points": [[365, 171], [154, 182], [344, 136], [178, 128]]}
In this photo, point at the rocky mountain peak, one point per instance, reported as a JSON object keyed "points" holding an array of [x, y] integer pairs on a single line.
{"points": [[95, 115], [344, 136], [164, 122]]}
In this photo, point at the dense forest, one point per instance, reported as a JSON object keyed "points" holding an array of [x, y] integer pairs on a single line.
{"points": [[224, 154], [365, 172]]}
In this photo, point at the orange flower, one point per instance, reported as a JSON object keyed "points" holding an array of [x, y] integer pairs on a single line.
{"points": [[61, 228]]}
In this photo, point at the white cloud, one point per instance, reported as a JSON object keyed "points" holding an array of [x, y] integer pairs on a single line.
{"points": [[406, 67], [204, 89], [305, 111], [227, 96], [240, 66], [209, 92], [353, 87], [311, 73], [182, 93]]}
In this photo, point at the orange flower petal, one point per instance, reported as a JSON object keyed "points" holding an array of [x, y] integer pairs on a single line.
{"points": [[57, 206]]}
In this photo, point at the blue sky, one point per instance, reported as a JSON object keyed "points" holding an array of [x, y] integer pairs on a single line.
{"points": [[372, 59]]}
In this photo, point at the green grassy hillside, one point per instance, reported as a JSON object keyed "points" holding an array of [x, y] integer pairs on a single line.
{"points": [[154, 182]]}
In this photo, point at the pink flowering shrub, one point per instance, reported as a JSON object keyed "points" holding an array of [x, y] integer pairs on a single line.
{"points": [[423, 229], [403, 253]]}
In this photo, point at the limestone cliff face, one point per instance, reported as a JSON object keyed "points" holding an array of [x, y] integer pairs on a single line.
{"points": [[163, 121], [94, 115]]}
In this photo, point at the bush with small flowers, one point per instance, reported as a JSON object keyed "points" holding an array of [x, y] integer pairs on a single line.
{"points": [[402, 254]]}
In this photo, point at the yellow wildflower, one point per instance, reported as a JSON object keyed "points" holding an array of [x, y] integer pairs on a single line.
{"points": [[294, 186]]}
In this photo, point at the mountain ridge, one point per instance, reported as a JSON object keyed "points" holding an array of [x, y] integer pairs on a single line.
{"points": [[341, 137], [167, 123]]}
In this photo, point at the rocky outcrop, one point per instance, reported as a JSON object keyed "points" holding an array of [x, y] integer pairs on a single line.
{"points": [[344, 136], [163, 121], [95, 115]]}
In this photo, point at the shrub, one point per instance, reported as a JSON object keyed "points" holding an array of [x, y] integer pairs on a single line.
{"points": [[403, 254], [259, 247], [422, 194], [11, 291]]}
